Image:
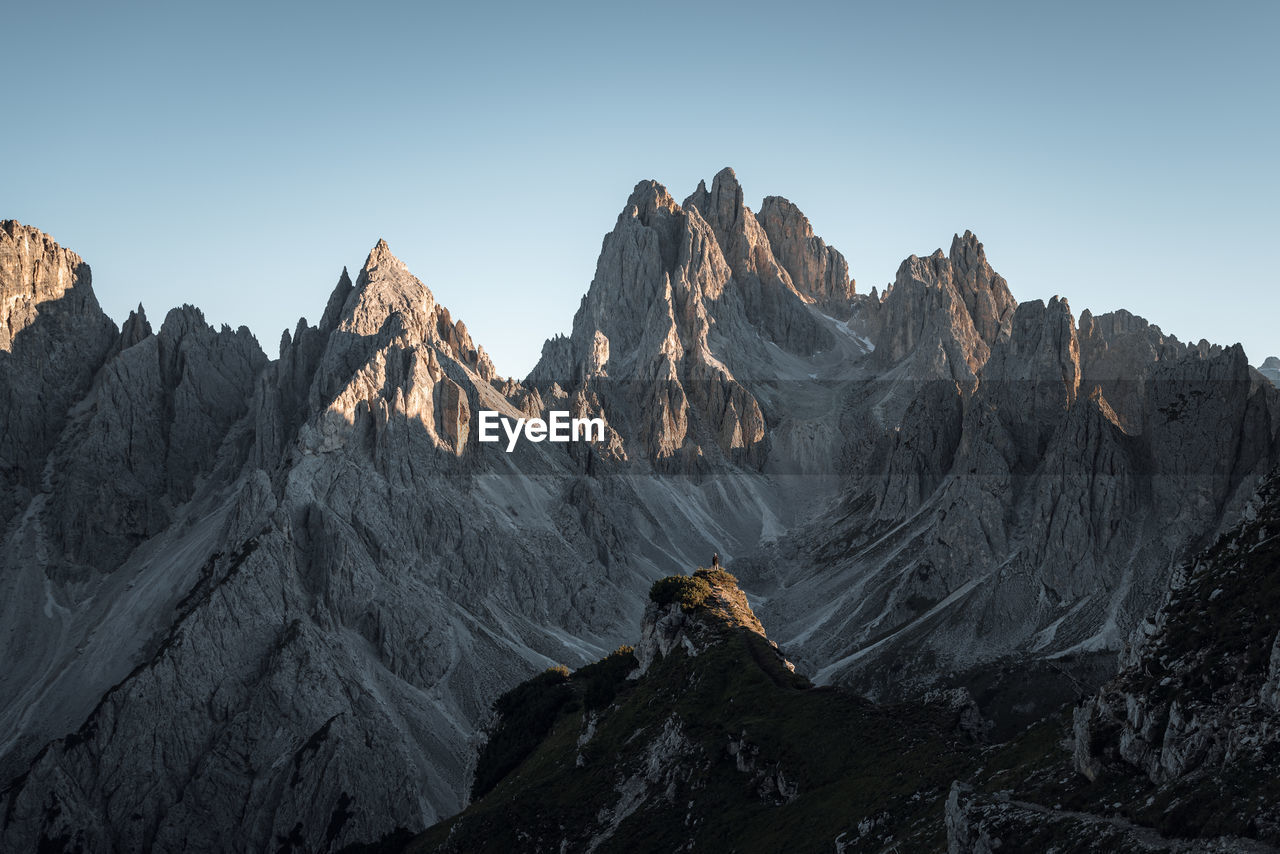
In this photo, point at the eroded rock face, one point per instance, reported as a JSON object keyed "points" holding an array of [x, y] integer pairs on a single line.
{"points": [[153, 422], [817, 271], [945, 311], [997, 497], [1198, 698], [680, 302], [666, 628], [53, 339], [763, 286]]}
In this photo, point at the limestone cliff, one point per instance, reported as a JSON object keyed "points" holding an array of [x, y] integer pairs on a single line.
{"points": [[53, 339]]}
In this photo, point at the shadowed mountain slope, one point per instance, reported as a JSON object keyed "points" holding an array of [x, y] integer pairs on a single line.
{"points": [[704, 738]]}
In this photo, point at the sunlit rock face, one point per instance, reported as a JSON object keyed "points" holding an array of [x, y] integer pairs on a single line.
{"points": [[53, 339], [945, 311], [250, 600], [817, 271]]}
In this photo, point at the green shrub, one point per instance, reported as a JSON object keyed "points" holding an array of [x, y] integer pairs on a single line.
{"points": [[717, 576], [526, 714], [689, 590], [600, 681]]}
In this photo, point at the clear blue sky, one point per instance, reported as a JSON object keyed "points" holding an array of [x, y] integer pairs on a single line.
{"points": [[1121, 154]]}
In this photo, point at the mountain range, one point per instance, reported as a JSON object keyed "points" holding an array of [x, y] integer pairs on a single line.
{"points": [[254, 602]]}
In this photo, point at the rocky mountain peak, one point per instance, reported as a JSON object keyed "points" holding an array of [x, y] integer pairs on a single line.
{"points": [[337, 300], [947, 310], [315, 545], [53, 339], [737, 232], [35, 270], [175, 394], [685, 293], [771, 299], [692, 611], [389, 303], [986, 293], [817, 271], [1042, 345], [649, 201], [183, 320], [384, 287], [725, 204], [134, 329]]}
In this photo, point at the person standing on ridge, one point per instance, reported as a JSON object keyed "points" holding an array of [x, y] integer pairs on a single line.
{"points": [[715, 560]]}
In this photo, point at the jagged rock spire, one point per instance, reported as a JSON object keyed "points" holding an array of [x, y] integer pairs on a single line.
{"points": [[134, 329], [817, 271], [953, 306]]}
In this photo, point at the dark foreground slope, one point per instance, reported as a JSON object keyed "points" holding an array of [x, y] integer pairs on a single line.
{"points": [[704, 738], [716, 745], [1184, 742]]}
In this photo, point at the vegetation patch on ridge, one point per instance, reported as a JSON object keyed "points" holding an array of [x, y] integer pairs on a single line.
{"points": [[527, 713], [689, 591]]}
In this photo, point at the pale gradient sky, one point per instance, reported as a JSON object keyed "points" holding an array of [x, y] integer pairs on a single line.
{"points": [[1120, 154]]}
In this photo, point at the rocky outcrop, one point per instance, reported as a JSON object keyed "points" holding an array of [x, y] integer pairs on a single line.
{"points": [[684, 299], [985, 824], [668, 626], [151, 425], [1198, 699], [817, 271], [53, 339], [945, 312], [711, 742]]}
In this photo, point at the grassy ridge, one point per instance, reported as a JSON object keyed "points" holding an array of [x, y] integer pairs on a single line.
{"points": [[849, 761]]}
